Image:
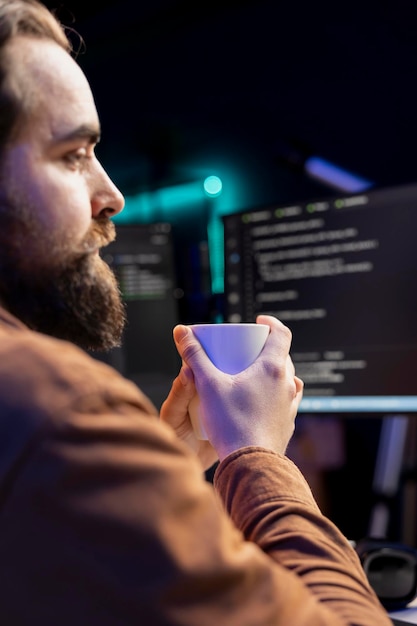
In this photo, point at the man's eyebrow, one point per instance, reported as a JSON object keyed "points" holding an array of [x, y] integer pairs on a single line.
{"points": [[89, 133]]}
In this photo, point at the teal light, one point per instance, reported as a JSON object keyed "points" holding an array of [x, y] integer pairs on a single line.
{"points": [[176, 202], [213, 186], [161, 204]]}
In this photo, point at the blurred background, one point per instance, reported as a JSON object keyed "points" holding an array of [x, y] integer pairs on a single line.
{"points": [[248, 92], [248, 89]]}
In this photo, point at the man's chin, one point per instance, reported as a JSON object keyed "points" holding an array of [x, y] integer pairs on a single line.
{"points": [[96, 309], [80, 303]]}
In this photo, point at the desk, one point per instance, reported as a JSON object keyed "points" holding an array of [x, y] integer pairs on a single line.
{"points": [[405, 617]]}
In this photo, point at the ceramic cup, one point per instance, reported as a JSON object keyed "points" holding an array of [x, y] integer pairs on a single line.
{"points": [[231, 348]]}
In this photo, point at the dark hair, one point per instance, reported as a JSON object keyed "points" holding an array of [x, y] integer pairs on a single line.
{"points": [[22, 17]]}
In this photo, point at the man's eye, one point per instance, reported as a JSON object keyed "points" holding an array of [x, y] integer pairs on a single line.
{"points": [[77, 158]]}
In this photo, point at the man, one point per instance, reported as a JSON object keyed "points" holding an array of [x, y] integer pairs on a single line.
{"points": [[106, 518]]}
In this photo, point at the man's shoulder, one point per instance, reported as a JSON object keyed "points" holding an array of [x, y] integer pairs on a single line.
{"points": [[40, 371], [26, 352]]}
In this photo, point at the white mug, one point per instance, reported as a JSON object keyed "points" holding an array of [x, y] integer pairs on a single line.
{"points": [[231, 348]]}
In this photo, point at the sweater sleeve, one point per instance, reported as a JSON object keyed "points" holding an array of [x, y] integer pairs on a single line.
{"points": [[271, 503]]}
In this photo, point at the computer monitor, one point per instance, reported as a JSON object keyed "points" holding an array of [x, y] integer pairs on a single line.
{"points": [[142, 257], [341, 272]]}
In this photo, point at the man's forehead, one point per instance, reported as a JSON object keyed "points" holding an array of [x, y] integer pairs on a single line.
{"points": [[53, 83], [41, 57]]}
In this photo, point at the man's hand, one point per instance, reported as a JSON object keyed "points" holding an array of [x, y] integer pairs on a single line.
{"points": [[256, 407], [174, 411]]}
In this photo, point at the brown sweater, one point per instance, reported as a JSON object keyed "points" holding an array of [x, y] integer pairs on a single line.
{"points": [[106, 519]]}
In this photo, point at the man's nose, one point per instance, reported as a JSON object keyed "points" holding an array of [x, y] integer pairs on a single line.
{"points": [[106, 200]]}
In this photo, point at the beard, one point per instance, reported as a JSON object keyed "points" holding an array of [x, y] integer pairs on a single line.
{"points": [[70, 295]]}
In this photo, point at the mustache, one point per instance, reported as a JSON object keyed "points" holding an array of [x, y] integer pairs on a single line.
{"points": [[101, 232]]}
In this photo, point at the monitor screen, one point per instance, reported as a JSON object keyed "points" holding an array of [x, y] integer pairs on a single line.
{"points": [[342, 274], [142, 257]]}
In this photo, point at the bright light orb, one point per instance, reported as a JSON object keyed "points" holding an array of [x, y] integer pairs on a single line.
{"points": [[213, 186]]}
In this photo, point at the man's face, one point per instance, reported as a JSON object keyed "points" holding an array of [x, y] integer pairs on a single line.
{"points": [[55, 204]]}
